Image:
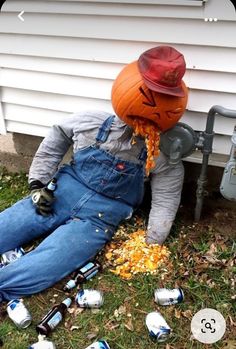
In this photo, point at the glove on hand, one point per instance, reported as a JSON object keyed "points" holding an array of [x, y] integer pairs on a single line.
{"points": [[42, 198]]}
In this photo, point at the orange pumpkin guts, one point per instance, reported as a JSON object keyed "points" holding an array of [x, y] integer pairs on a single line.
{"points": [[148, 112]]}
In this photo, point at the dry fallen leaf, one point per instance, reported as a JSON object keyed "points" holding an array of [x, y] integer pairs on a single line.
{"points": [[188, 314], [92, 335], [111, 325], [232, 323], [230, 344], [177, 314], [129, 325]]}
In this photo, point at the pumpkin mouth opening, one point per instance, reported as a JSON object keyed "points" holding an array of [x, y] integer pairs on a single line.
{"points": [[151, 133], [143, 119]]}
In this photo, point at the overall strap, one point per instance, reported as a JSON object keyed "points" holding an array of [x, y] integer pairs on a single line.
{"points": [[143, 154], [128, 134], [104, 130]]}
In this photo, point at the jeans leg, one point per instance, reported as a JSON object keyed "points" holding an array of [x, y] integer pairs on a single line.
{"points": [[20, 224], [66, 249]]}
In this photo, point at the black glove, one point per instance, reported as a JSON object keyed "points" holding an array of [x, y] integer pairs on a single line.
{"points": [[42, 198]]}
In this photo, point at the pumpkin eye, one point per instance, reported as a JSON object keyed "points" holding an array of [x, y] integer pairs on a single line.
{"points": [[150, 98], [171, 114]]}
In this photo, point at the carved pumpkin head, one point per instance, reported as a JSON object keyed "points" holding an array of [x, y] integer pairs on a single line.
{"points": [[132, 99], [150, 96]]}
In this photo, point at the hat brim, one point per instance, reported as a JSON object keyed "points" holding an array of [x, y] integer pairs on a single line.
{"points": [[172, 91]]}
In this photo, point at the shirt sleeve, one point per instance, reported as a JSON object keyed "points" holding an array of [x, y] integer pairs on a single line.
{"points": [[166, 187], [51, 151]]}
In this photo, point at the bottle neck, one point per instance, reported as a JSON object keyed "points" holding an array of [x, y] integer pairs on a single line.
{"points": [[67, 302]]}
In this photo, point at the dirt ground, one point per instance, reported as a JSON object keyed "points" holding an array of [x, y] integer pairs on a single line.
{"points": [[216, 210]]}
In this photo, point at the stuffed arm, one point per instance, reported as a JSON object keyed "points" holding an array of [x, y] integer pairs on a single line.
{"points": [[166, 187], [50, 152]]}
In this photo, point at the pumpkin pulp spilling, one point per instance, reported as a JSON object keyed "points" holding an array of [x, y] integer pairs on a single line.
{"points": [[134, 256], [151, 133]]}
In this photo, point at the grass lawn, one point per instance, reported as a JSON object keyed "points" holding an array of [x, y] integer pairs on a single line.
{"points": [[202, 263]]}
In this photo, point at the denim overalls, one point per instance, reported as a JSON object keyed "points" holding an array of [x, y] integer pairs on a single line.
{"points": [[94, 194]]}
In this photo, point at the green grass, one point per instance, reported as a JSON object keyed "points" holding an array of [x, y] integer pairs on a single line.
{"points": [[121, 320]]}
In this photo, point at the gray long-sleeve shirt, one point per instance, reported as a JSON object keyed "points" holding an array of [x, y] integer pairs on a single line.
{"points": [[80, 130]]}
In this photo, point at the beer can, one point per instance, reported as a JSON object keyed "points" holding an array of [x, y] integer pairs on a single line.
{"points": [[89, 298], [12, 255], [158, 328], [18, 313], [165, 296], [45, 344], [99, 345]]}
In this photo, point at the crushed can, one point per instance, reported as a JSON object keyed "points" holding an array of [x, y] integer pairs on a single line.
{"points": [[165, 296], [89, 298], [12, 255], [158, 329], [99, 345], [18, 313], [42, 343]]}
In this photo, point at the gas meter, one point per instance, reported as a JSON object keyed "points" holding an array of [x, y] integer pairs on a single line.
{"points": [[228, 183], [181, 140]]}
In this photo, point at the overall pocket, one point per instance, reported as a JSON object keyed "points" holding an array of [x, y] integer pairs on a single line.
{"points": [[104, 177]]}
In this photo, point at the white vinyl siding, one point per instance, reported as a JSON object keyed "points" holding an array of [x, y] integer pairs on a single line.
{"points": [[65, 56]]}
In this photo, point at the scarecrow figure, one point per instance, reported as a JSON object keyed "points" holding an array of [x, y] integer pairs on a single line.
{"points": [[104, 182]]}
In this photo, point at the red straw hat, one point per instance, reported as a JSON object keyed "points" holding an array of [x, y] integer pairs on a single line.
{"points": [[162, 69]]}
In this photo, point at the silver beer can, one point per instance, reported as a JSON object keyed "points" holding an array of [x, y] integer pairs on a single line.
{"points": [[165, 296], [158, 328], [12, 255], [45, 344], [18, 313], [99, 345], [89, 298]]}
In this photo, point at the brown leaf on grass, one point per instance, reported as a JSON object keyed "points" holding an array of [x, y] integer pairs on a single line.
{"points": [[111, 325], [212, 250], [92, 335], [201, 267], [177, 314], [120, 311], [232, 323], [187, 313], [129, 325], [229, 344], [75, 311], [212, 259], [74, 328], [168, 346], [231, 262]]}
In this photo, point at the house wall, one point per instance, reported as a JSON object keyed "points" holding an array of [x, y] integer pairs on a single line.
{"points": [[65, 55]]}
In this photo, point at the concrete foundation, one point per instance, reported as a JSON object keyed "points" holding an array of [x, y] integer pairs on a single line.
{"points": [[17, 150]]}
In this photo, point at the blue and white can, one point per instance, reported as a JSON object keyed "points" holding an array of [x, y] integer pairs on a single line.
{"points": [[99, 345], [166, 296], [43, 344], [12, 255], [18, 313], [158, 328], [89, 298]]}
